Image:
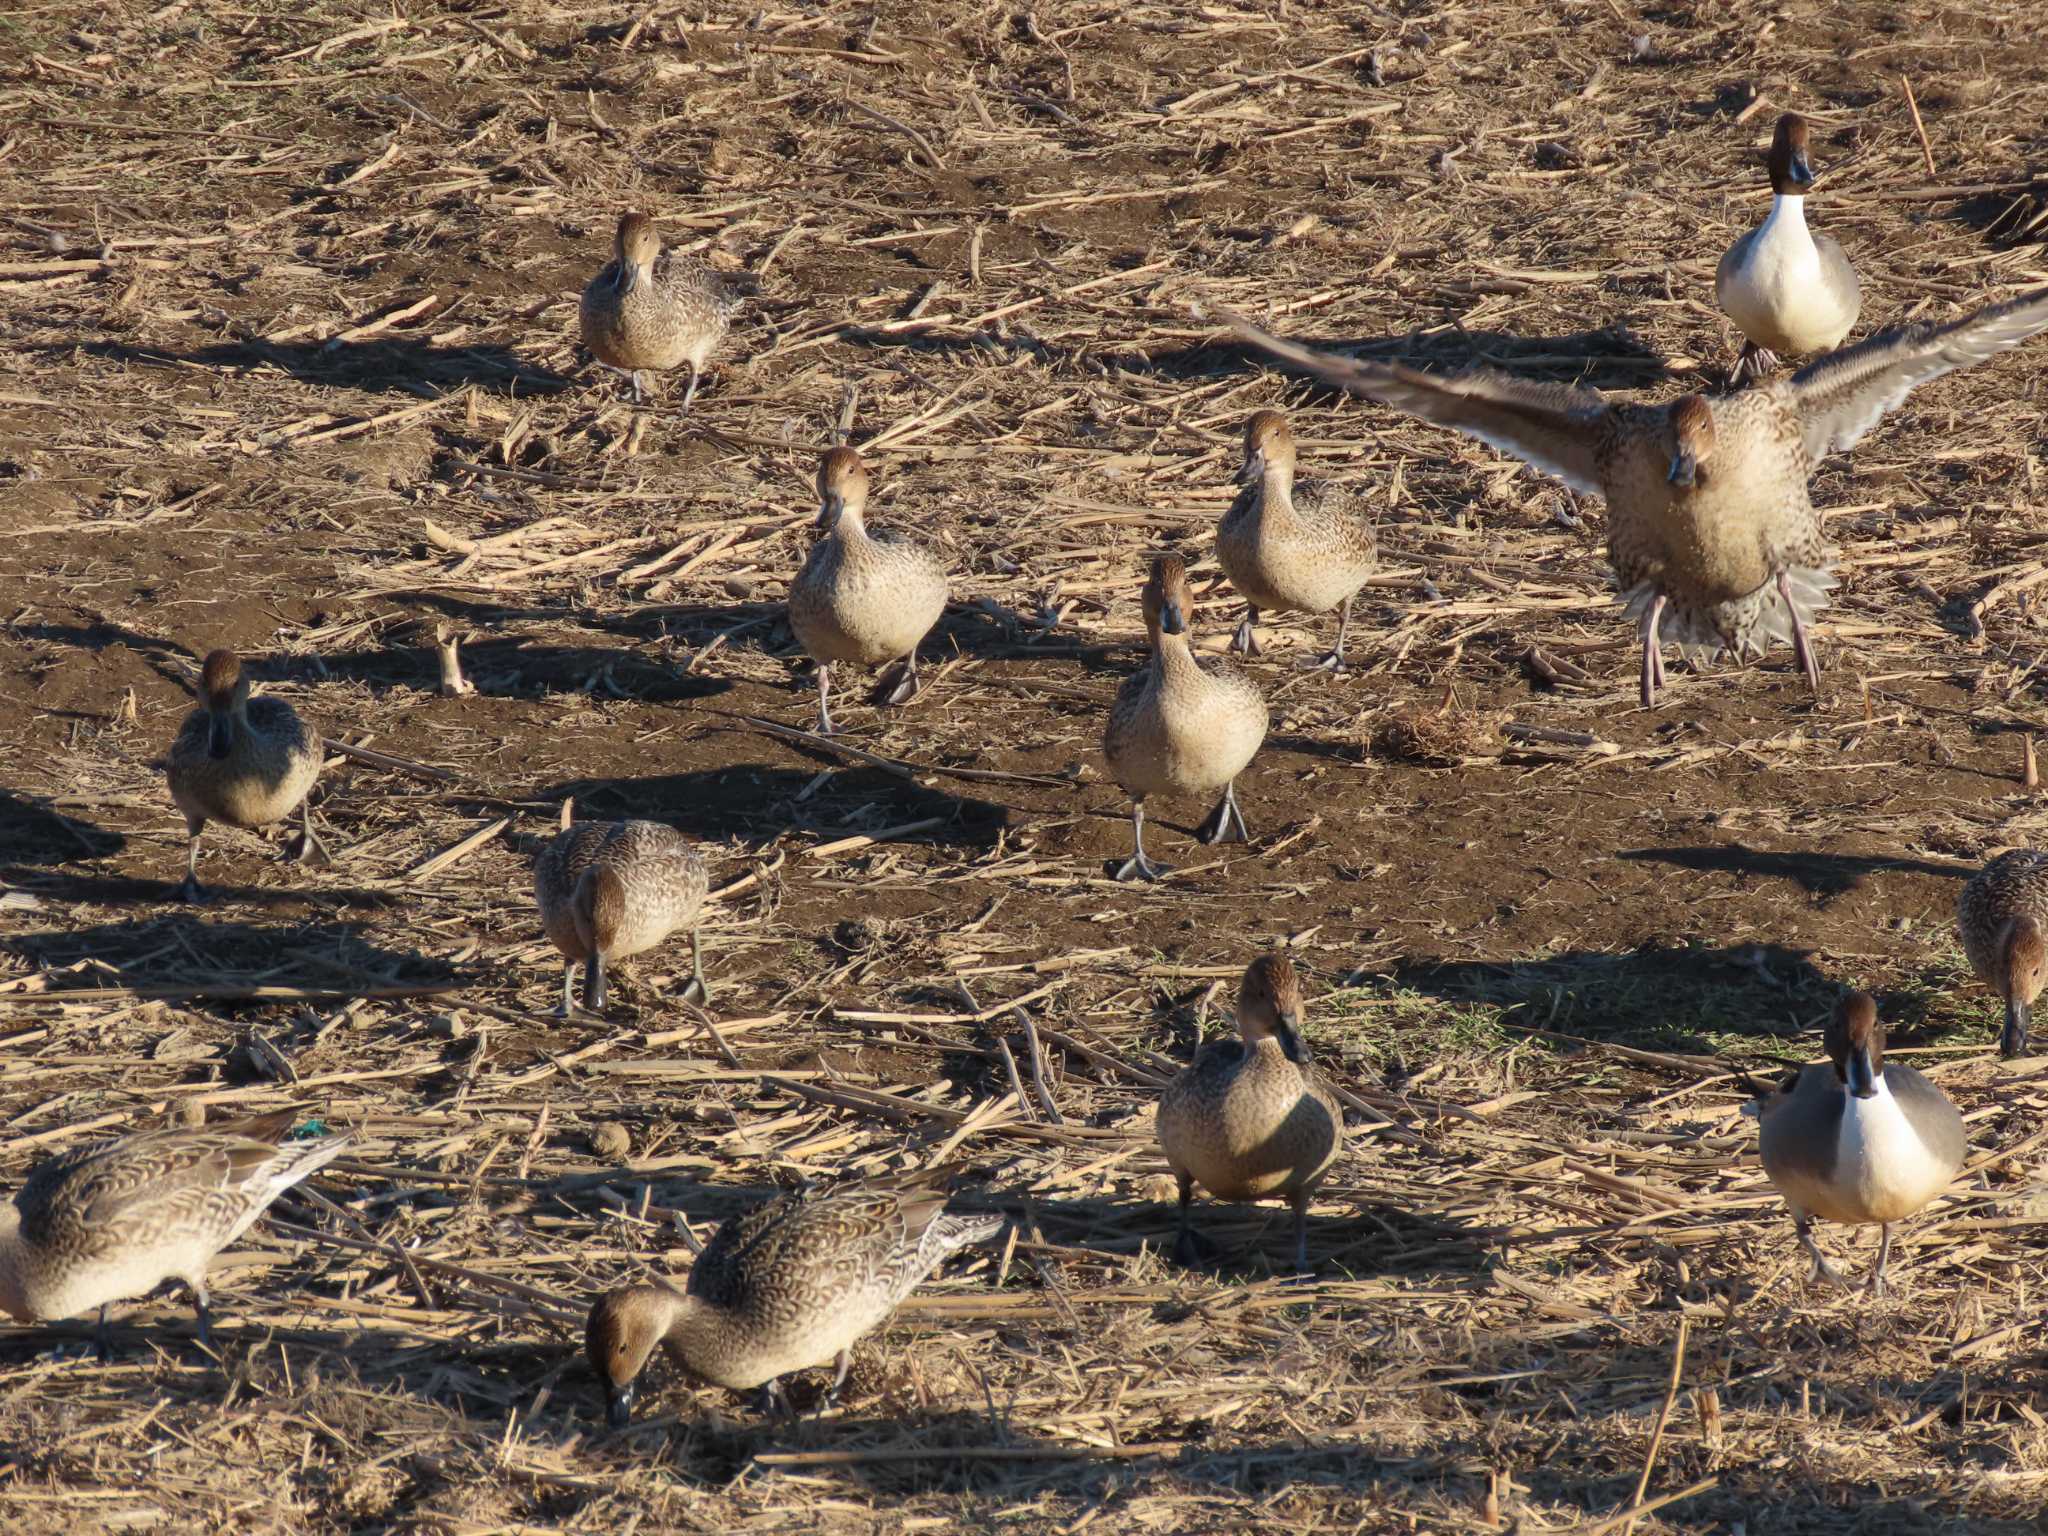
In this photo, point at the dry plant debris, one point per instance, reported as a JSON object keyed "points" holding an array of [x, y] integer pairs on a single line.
{"points": [[287, 302]]}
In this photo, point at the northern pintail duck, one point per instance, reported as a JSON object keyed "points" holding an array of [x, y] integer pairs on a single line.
{"points": [[786, 1286], [1854, 1140], [2002, 918], [1709, 526], [1252, 1119], [650, 308], [1787, 290], [247, 762], [863, 596], [610, 889], [118, 1218], [1288, 546], [1181, 726]]}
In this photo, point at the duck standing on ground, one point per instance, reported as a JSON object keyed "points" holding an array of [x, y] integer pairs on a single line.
{"points": [[1289, 546], [1252, 1119], [610, 889], [1787, 290], [650, 308], [1181, 726], [2002, 918], [1710, 529], [1854, 1140], [116, 1219], [247, 762], [863, 596], [786, 1286]]}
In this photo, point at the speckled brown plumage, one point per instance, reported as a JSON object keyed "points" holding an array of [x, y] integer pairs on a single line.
{"points": [[610, 889], [1710, 528], [1252, 1119], [788, 1285], [1292, 546], [115, 1219], [653, 309], [247, 762], [1182, 725], [863, 596], [2002, 919]]}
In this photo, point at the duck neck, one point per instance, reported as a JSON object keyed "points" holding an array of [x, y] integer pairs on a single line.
{"points": [[851, 529], [1276, 489], [13, 1301], [1786, 221], [1173, 656], [694, 1333]]}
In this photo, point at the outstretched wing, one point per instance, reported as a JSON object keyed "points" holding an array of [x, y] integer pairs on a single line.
{"points": [[1556, 427], [1842, 396]]}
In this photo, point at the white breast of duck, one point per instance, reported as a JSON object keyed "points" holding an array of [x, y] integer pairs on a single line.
{"points": [[1204, 724], [1776, 285], [1861, 1160]]}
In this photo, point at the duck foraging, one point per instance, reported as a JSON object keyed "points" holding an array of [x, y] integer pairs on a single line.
{"points": [[2002, 919], [610, 889]]}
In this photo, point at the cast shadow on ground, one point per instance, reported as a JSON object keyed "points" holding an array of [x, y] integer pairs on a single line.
{"points": [[34, 832], [1826, 875], [385, 365], [203, 949], [1611, 358]]}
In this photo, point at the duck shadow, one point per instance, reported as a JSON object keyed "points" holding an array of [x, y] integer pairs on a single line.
{"points": [[762, 801], [34, 833], [169, 660], [183, 947], [114, 890], [1673, 999], [514, 667], [1610, 358], [1826, 875], [386, 365]]}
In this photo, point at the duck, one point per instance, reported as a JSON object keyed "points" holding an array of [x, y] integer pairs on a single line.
{"points": [[1856, 1140], [1302, 547], [1787, 290], [863, 597], [2002, 919], [789, 1285], [653, 309], [1181, 726], [244, 761], [1252, 1119], [116, 1219], [1710, 530], [610, 889]]}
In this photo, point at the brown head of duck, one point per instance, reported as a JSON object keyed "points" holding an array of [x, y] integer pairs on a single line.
{"points": [[1268, 449], [1791, 166], [1269, 1006], [1169, 600], [224, 688], [1692, 441], [2023, 964], [842, 489], [1855, 1042]]}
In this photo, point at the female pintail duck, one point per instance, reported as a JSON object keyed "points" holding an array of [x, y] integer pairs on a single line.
{"points": [[1252, 1119], [1181, 726], [1854, 1140], [610, 889], [115, 1220], [1788, 291], [1302, 547], [1709, 526], [247, 762], [649, 308], [863, 596], [2002, 918], [789, 1285]]}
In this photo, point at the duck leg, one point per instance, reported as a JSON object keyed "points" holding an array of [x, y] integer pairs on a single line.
{"points": [[1245, 641], [1822, 1269], [774, 1403], [1216, 826], [202, 1305], [689, 393], [1190, 1251], [568, 1008], [905, 688], [1802, 646], [102, 1340], [1653, 651], [1884, 1253], [1301, 1233], [825, 725], [1332, 660], [841, 1366], [639, 386], [696, 992], [1137, 866], [1753, 360], [192, 890], [311, 849]]}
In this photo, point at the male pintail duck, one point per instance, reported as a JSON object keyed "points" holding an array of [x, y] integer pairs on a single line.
{"points": [[649, 308], [1709, 526], [610, 889], [247, 762], [2002, 918], [1303, 547], [1787, 291], [1181, 726], [1252, 1119], [789, 1285], [116, 1219], [863, 596], [1854, 1140]]}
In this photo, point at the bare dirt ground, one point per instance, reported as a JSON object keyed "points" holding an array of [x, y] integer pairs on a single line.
{"points": [[287, 309]]}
